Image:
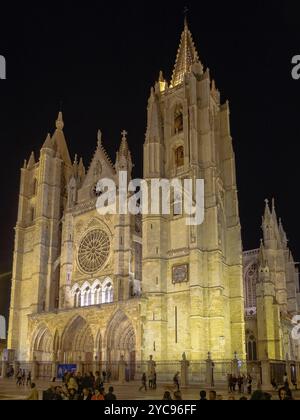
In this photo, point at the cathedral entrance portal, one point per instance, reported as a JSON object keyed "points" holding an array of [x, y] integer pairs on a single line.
{"points": [[78, 344], [121, 341]]}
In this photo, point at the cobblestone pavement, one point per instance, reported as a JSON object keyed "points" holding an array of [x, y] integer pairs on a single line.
{"points": [[9, 391]]}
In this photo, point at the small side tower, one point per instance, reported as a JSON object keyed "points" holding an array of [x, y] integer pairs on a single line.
{"points": [[268, 313], [36, 265]]}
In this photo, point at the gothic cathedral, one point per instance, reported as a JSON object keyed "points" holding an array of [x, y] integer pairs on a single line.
{"points": [[90, 289]]}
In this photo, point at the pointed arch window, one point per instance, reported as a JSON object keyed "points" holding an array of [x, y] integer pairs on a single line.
{"points": [[179, 157], [178, 119], [251, 279], [252, 349], [87, 297], [98, 295], [108, 293], [34, 187], [77, 298]]}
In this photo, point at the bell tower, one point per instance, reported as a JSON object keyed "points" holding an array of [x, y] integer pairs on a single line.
{"points": [[192, 275], [36, 264]]}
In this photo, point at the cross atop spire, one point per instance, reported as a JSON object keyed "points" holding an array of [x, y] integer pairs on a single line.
{"points": [[187, 55], [185, 12], [124, 135]]}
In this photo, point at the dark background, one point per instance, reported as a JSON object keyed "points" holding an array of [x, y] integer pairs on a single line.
{"points": [[101, 61]]}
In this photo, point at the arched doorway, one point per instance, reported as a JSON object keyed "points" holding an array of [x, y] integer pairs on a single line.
{"points": [[121, 341], [42, 350], [43, 345], [78, 344]]}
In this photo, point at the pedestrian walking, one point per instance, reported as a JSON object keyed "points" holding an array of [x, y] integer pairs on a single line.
{"points": [[144, 382]]}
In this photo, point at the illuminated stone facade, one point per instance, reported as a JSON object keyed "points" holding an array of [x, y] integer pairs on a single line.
{"points": [[155, 286], [272, 298]]}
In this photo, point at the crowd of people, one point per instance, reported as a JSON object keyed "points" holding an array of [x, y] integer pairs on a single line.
{"points": [[242, 382], [284, 394], [75, 386], [81, 387], [23, 378]]}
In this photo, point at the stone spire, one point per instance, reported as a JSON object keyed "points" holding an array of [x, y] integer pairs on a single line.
{"points": [[31, 161], [187, 56], [48, 143], [124, 148], [81, 170], [283, 235], [60, 141], [274, 211], [262, 256], [124, 161], [60, 122], [267, 214]]}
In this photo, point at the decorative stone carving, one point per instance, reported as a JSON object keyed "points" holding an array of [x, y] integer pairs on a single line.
{"points": [[180, 274]]}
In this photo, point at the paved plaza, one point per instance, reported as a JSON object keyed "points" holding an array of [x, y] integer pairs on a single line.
{"points": [[129, 391]]}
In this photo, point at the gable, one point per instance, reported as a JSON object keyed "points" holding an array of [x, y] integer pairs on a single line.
{"points": [[101, 167]]}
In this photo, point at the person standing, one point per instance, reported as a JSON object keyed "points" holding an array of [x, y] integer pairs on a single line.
{"points": [[245, 383], [108, 375], [144, 382], [104, 376], [23, 377], [150, 380], [167, 396], [240, 383], [19, 377], [154, 379], [249, 384], [28, 381], [110, 396], [86, 395], [203, 396], [98, 381], [98, 396], [230, 383], [176, 381], [177, 396]]}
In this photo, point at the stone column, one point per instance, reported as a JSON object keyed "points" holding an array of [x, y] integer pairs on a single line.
{"points": [[185, 364], [289, 373], [209, 380], [54, 366], [16, 368], [80, 365], [34, 370], [4, 369], [298, 374], [235, 366], [266, 375], [151, 366], [122, 370], [96, 365]]}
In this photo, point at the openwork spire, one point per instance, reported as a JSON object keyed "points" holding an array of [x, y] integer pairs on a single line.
{"points": [[124, 148], [187, 55]]}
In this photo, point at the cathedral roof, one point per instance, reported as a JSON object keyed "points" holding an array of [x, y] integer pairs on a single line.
{"points": [[187, 55], [101, 165]]}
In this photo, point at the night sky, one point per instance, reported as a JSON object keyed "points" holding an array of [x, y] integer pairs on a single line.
{"points": [[101, 61]]}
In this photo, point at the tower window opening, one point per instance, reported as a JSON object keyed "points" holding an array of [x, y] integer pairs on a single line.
{"points": [[179, 157], [178, 119]]}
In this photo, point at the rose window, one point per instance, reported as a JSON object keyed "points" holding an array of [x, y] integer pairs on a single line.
{"points": [[93, 251]]}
